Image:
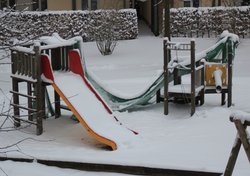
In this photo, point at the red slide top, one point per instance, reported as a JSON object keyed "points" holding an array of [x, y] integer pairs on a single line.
{"points": [[75, 66]]}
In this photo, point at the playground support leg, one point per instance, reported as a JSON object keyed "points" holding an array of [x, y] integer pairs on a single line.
{"points": [[243, 137], [29, 92], [230, 74], [165, 68], [40, 107], [16, 101], [223, 99], [193, 72], [233, 157], [158, 96], [57, 105]]}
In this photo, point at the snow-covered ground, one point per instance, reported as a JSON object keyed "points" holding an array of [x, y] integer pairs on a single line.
{"points": [[177, 141]]}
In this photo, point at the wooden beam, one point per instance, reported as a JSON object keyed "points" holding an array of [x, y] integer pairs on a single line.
{"points": [[233, 157], [243, 137]]}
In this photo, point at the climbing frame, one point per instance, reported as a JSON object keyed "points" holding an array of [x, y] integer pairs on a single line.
{"points": [[192, 92]]}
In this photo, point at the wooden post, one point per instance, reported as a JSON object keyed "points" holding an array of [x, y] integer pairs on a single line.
{"points": [[57, 105], [202, 94], [224, 57], [39, 92], [230, 73], [165, 68], [243, 137], [192, 77], [29, 92], [223, 98], [15, 88], [233, 157], [16, 102], [167, 19], [158, 96]]}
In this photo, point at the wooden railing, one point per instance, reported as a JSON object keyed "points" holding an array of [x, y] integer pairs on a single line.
{"points": [[26, 67]]}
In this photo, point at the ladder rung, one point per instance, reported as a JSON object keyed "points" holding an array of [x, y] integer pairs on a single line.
{"points": [[23, 95], [24, 78], [65, 107], [22, 107], [27, 121]]}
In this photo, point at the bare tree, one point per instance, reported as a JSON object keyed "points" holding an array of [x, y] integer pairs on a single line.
{"points": [[104, 31]]}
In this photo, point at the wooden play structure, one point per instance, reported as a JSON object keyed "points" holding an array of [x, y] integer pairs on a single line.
{"points": [[242, 138], [205, 77], [27, 71], [57, 62], [192, 92]]}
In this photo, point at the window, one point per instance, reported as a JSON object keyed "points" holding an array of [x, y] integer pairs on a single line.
{"points": [[85, 5], [191, 3], [44, 5], [89, 4], [93, 4], [196, 3], [3, 4], [35, 5], [187, 3], [73, 4], [12, 3]]}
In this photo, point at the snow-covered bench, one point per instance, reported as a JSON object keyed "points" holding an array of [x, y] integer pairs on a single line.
{"points": [[241, 121]]}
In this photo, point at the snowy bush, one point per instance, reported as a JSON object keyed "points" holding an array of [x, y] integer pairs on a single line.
{"points": [[210, 21], [105, 32], [29, 25]]}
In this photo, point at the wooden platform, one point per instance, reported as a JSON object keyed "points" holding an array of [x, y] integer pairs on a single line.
{"points": [[134, 170]]}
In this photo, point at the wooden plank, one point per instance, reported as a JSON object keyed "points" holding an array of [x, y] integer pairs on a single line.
{"points": [[30, 98], [165, 68], [23, 78], [230, 73], [16, 159], [22, 107], [125, 169], [113, 168], [15, 88], [23, 95], [223, 98], [40, 93], [13, 63], [202, 93], [193, 75], [233, 157], [57, 105], [243, 137], [158, 96], [24, 120]]}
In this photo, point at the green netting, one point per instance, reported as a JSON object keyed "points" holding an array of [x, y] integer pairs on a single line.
{"points": [[213, 54]]}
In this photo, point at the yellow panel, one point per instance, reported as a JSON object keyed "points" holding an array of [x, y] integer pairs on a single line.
{"points": [[209, 71]]}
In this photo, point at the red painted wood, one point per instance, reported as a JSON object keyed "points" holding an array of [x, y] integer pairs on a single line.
{"points": [[46, 67], [75, 66]]}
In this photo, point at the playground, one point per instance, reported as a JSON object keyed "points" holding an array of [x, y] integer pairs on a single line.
{"points": [[201, 142]]}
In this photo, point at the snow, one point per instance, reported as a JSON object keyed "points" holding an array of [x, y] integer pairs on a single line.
{"points": [[177, 141], [92, 110], [241, 115]]}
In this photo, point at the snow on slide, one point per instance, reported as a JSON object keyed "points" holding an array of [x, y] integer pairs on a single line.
{"points": [[86, 103]]}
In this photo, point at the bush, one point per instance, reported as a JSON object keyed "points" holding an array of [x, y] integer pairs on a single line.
{"points": [[29, 25]]}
